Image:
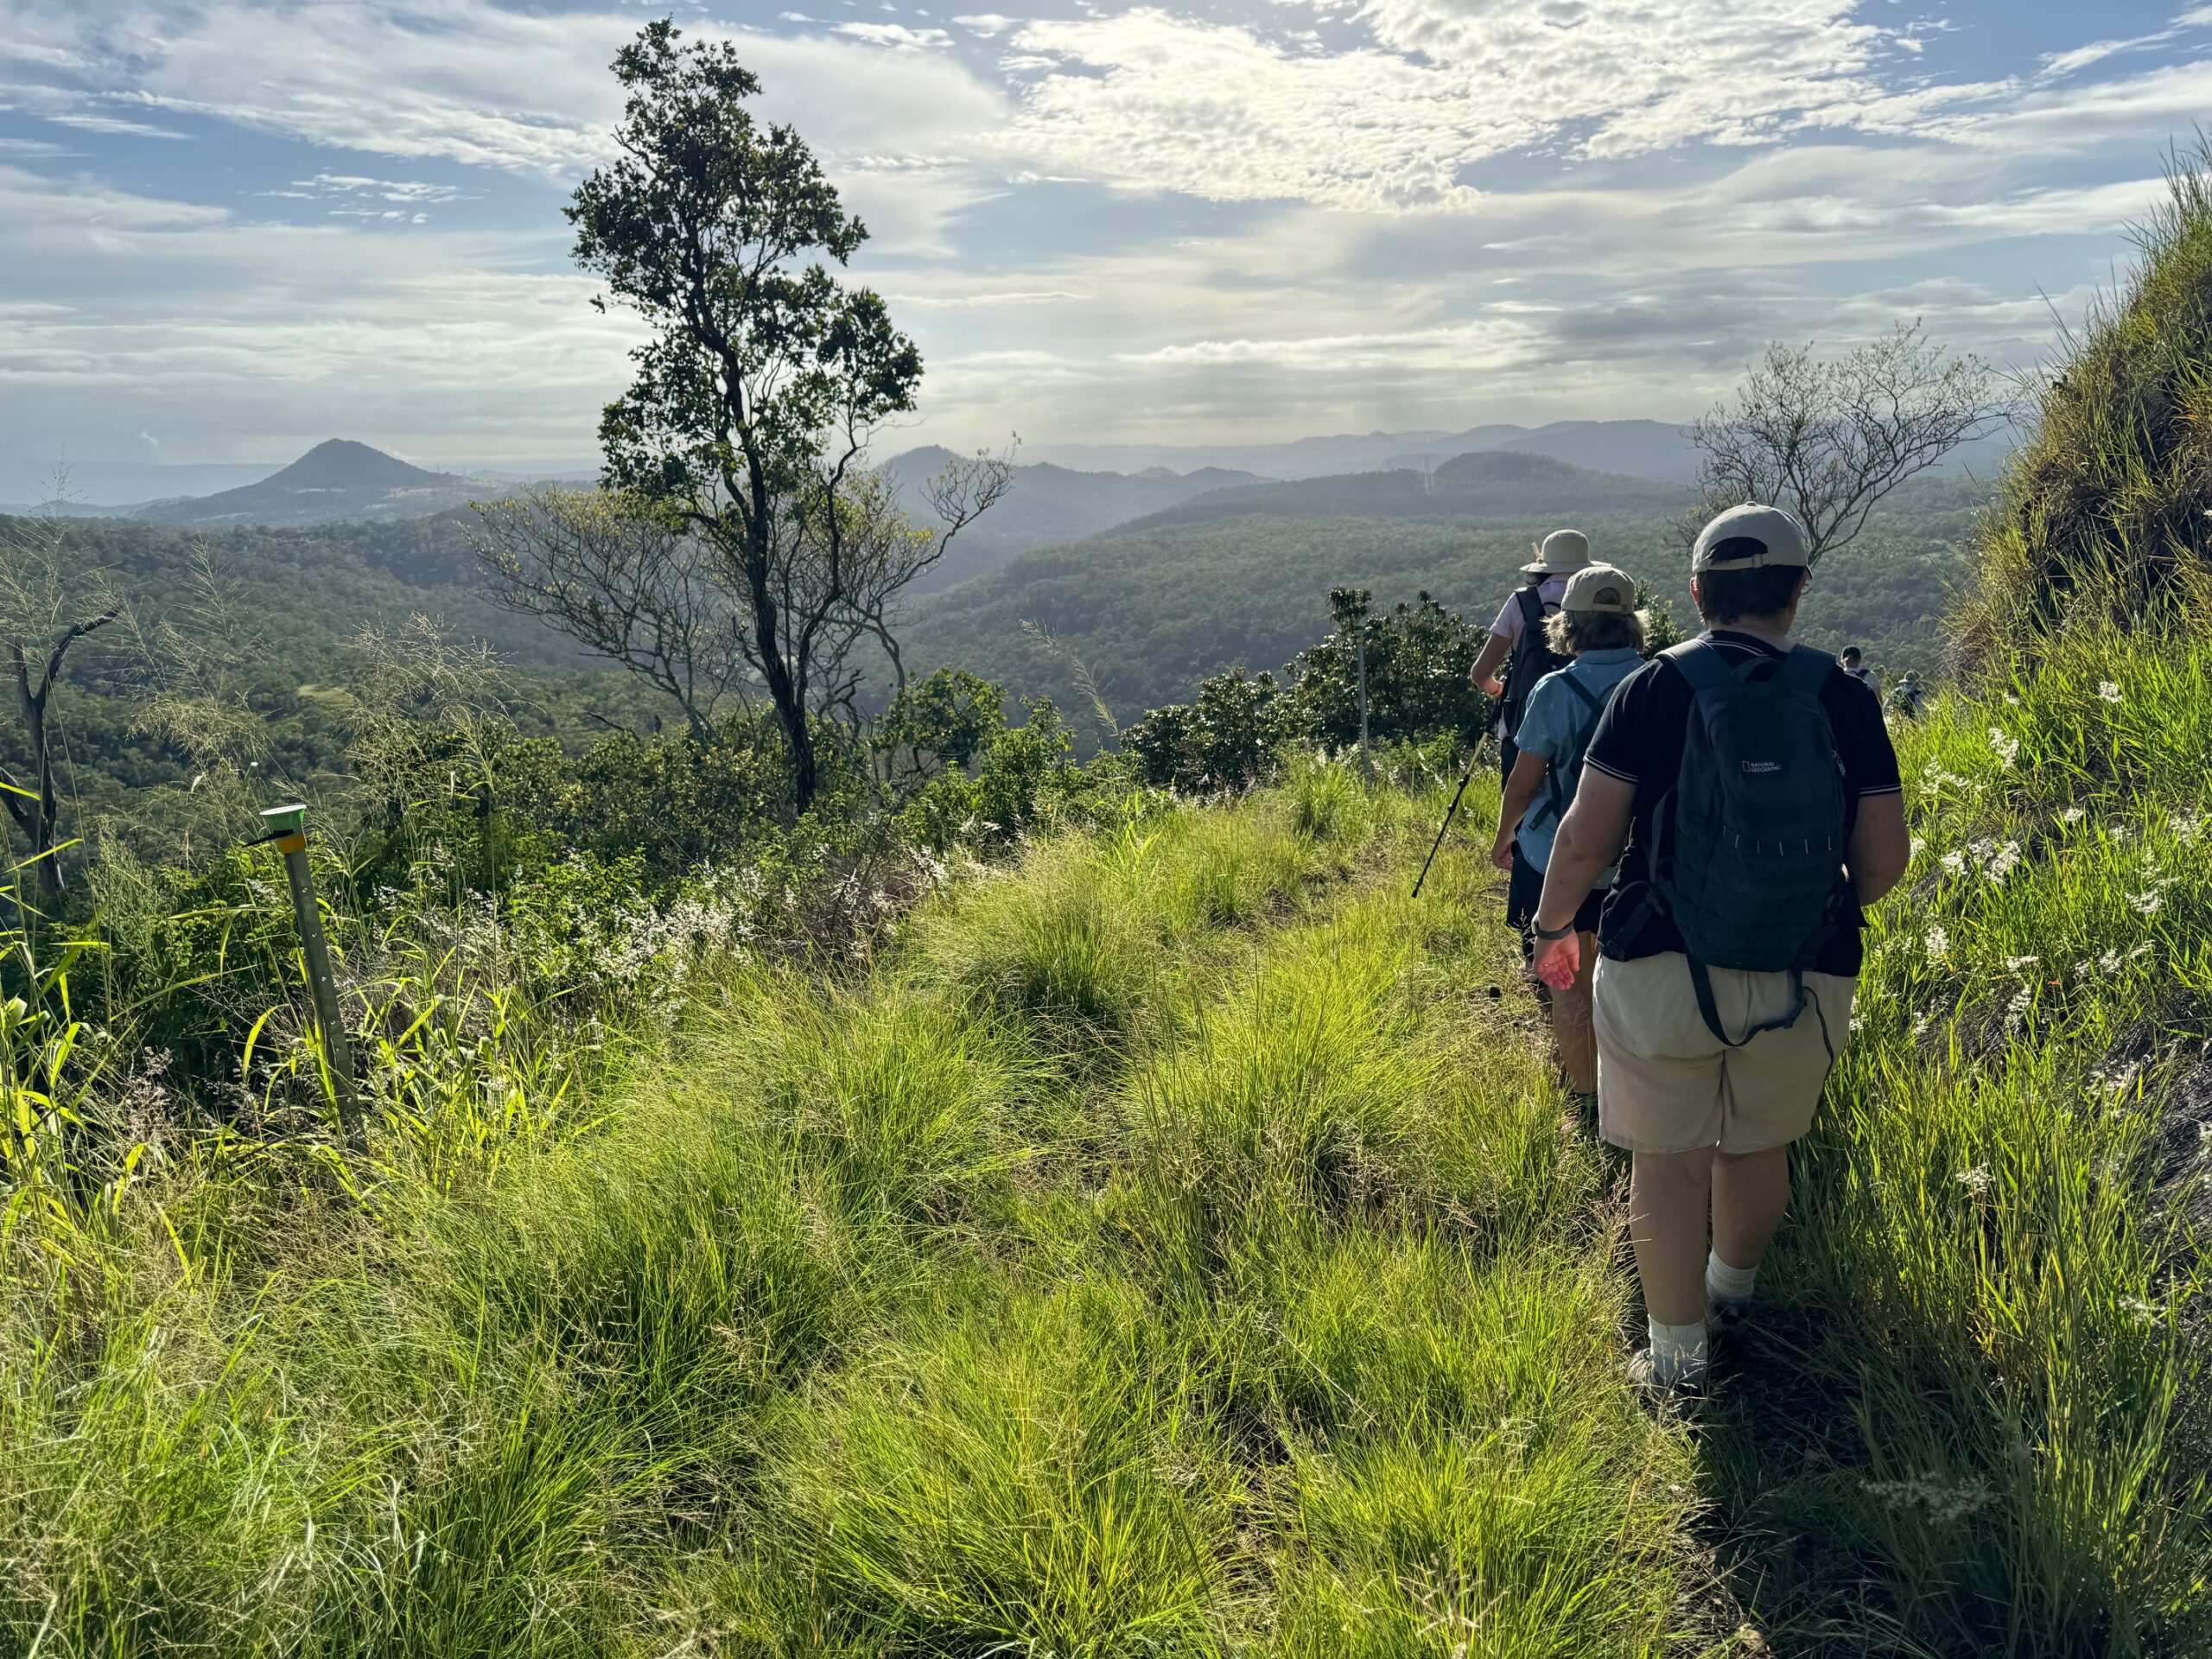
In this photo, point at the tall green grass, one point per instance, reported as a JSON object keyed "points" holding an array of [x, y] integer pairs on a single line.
{"points": [[1171, 1245]]}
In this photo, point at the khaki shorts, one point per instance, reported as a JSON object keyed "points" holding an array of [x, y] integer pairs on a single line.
{"points": [[1666, 1083]]}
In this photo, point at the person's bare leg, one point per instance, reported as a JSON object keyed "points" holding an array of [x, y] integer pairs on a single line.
{"points": [[1670, 1195], [1571, 1028], [1751, 1191]]}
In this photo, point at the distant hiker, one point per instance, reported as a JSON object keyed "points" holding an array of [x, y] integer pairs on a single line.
{"points": [[1749, 793], [1599, 628], [1854, 665], [1905, 696], [1517, 639]]}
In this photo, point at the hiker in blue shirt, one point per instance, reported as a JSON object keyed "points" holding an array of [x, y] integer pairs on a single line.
{"points": [[1599, 628]]}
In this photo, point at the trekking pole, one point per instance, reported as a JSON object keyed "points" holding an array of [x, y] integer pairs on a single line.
{"points": [[1449, 813], [288, 828]]}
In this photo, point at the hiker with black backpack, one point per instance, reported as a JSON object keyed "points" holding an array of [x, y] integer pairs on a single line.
{"points": [[1748, 792], [1518, 642], [1601, 631]]}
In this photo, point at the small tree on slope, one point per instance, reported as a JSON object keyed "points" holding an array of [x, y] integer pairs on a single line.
{"points": [[1828, 439], [747, 423]]}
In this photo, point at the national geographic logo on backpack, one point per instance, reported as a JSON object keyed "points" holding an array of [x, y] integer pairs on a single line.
{"points": [[1762, 765]]}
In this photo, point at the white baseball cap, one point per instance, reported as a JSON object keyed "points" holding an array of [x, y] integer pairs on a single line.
{"points": [[1748, 538]]}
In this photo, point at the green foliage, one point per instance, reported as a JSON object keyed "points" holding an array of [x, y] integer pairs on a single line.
{"points": [[1418, 657], [943, 720], [2100, 515], [1018, 772], [1225, 740], [1156, 611]]}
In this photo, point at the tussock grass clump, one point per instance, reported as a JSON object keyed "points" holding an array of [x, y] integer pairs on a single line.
{"points": [[1334, 1082], [2100, 516], [1038, 1474]]}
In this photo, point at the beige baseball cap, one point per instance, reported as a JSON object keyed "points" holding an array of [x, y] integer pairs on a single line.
{"points": [[1563, 552], [1599, 587], [1747, 538]]}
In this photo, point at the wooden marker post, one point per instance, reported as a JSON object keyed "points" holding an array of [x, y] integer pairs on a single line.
{"points": [[288, 828]]}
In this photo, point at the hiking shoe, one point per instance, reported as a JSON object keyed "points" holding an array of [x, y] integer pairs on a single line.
{"points": [[1647, 1384]]}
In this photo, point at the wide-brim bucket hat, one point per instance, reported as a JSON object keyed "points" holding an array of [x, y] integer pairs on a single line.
{"points": [[1562, 553]]}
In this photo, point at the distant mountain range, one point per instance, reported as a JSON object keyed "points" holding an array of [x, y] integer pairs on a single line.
{"points": [[1485, 483], [1046, 505], [1650, 449], [336, 480]]}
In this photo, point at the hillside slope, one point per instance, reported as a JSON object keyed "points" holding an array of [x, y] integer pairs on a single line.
{"points": [[1151, 610], [1044, 506]]}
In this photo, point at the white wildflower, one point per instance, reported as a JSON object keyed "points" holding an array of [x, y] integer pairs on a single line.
{"points": [[1914, 849], [2002, 860], [2147, 902], [2185, 827], [2142, 1311], [2073, 815], [2109, 963], [2016, 1011], [2012, 702], [2007, 746], [1975, 1180], [1939, 943], [1943, 1500], [1955, 863], [2014, 964], [2108, 690]]}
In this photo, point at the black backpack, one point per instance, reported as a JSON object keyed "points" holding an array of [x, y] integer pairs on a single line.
{"points": [[1748, 847], [1533, 658]]}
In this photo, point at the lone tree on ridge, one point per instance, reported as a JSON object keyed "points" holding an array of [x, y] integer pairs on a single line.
{"points": [[745, 432]]}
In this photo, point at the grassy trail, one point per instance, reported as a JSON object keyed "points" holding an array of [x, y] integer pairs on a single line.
{"points": [[1172, 1246], [1170, 1249]]}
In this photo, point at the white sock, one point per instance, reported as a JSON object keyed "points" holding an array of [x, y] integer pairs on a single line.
{"points": [[1677, 1351], [1726, 1284]]}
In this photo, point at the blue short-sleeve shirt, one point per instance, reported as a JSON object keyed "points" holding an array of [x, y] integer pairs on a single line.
{"points": [[1547, 727]]}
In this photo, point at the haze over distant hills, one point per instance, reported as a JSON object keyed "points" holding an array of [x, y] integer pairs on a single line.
{"points": [[1633, 449], [1638, 448], [1046, 504], [337, 480]]}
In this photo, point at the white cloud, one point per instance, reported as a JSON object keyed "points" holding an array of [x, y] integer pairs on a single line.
{"points": [[92, 121], [895, 35], [236, 341]]}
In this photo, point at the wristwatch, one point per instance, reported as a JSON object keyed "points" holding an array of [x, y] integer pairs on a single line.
{"points": [[1548, 934]]}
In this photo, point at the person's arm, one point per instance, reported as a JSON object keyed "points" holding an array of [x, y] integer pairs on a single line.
{"points": [[1521, 789], [1591, 840], [1488, 661], [1880, 850]]}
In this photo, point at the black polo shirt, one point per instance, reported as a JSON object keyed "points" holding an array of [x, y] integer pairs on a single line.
{"points": [[1639, 740]]}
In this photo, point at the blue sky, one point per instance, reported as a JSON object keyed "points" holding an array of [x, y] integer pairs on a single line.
{"points": [[238, 226]]}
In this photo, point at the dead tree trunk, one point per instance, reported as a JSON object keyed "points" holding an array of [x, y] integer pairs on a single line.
{"points": [[35, 808]]}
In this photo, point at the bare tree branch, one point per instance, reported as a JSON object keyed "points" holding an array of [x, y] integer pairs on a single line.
{"points": [[1829, 439]]}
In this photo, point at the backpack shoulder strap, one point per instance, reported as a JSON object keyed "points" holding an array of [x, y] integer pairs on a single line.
{"points": [[1589, 697], [1700, 664], [1532, 607], [1806, 671]]}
